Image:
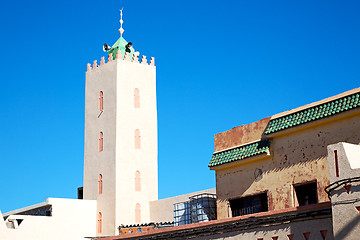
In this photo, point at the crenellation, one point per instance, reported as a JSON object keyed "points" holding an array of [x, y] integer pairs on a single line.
{"points": [[102, 62], [152, 61], [127, 57], [143, 60], [135, 59], [118, 55]]}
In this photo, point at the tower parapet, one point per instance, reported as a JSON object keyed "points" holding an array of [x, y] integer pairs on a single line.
{"points": [[134, 59]]}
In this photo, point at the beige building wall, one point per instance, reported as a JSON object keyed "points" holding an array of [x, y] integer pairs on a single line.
{"points": [[162, 210], [132, 75], [295, 157], [101, 79], [119, 160], [71, 219]]}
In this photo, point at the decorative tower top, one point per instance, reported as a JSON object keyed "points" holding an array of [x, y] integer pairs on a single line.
{"points": [[121, 44], [121, 30]]}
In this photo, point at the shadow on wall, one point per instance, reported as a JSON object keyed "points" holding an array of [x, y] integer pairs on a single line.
{"points": [[348, 228]]}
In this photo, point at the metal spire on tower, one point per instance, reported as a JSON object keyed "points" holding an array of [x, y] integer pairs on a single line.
{"points": [[121, 30]]}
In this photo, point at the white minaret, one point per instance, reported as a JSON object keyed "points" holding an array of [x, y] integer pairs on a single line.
{"points": [[120, 160]]}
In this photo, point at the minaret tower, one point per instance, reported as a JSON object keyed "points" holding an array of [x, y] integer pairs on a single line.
{"points": [[120, 159]]}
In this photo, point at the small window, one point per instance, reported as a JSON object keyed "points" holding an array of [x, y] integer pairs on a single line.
{"points": [[306, 194], [136, 98], [101, 101], [248, 205], [100, 184], [99, 223], [101, 142], [137, 181], [137, 213], [137, 139]]}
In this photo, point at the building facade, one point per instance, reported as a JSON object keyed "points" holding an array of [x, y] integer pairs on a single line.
{"points": [[282, 160]]}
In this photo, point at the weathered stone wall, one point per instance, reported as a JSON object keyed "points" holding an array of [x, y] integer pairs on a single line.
{"points": [[296, 157], [240, 135]]}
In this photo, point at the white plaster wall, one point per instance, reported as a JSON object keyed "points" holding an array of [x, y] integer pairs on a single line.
{"points": [[102, 78], [353, 154], [71, 219], [120, 160], [133, 75]]}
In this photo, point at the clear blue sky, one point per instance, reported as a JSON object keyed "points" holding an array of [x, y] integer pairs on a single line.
{"points": [[220, 64]]}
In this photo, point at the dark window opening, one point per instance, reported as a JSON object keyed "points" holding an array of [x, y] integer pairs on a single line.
{"points": [[248, 205], [306, 194], [80, 192]]}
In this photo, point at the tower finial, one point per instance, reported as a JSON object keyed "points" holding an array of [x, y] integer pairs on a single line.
{"points": [[121, 30]]}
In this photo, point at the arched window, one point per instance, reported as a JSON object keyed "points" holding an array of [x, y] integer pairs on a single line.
{"points": [[99, 223], [136, 98], [137, 213], [101, 142], [100, 184], [137, 139], [137, 181], [101, 101]]}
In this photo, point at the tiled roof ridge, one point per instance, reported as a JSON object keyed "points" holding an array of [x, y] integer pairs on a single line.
{"points": [[317, 103], [241, 152], [315, 112]]}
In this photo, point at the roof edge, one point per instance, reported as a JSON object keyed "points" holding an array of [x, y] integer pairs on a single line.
{"points": [[310, 105]]}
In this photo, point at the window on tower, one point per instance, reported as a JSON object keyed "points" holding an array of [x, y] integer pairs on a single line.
{"points": [[136, 98], [99, 223], [137, 181], [137, 213], [101, 101], [137, 139], [100, 184], [101, 142]]}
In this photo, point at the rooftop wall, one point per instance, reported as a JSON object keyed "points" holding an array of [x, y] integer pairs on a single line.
{"points": [[240, 135], [71, 219]]}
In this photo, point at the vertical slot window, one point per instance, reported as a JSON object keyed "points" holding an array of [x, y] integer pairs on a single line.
{"points": [[137, 139], [101, 141], [100, 185], [137, 181], [101, 101], [136, 98]]}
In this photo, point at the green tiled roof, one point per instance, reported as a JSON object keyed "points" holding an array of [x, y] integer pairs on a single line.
{"points": [[120, 44], [314, 113], [239, 153]]}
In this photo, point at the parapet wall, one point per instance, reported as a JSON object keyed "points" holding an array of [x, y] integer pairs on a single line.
{"points": [[134, 59]]}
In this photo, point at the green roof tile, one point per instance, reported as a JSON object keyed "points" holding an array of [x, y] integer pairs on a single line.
{"points": [[239, 153], [314, 113]]}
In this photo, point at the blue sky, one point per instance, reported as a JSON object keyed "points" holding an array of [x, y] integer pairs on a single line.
{"points": [[220, 64]]}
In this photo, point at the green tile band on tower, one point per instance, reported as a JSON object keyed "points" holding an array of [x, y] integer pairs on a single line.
{"points": [[314, 113], [239, 153]]}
